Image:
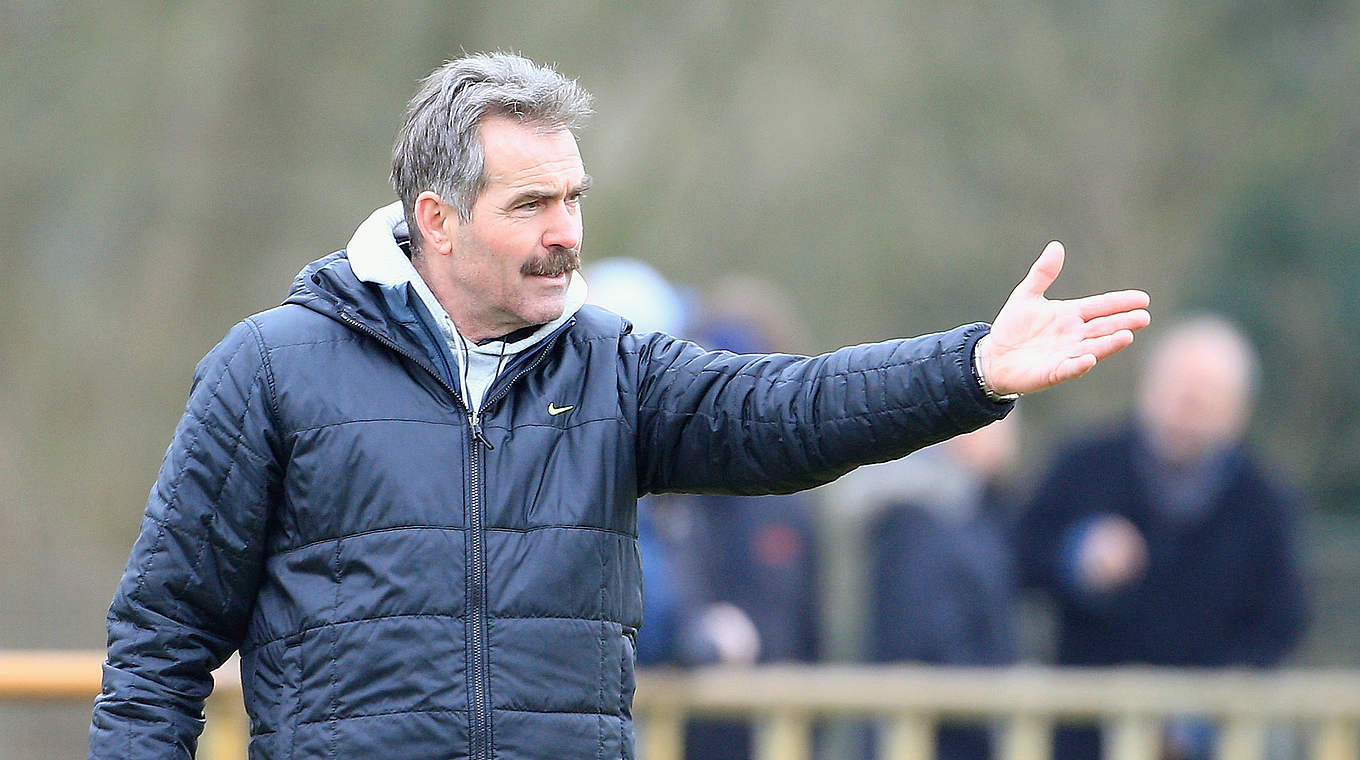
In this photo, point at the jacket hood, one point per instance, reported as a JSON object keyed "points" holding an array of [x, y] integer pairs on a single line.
{"points": [[328, 286]]}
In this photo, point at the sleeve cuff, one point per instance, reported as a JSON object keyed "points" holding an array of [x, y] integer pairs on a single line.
{"points": [[995, 399]]}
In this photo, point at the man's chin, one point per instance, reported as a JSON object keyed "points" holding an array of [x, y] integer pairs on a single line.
{"points": [[545, 312]]}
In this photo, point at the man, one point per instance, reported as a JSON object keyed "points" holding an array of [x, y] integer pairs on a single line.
{"points": [[1165, 541], [407, 496]]}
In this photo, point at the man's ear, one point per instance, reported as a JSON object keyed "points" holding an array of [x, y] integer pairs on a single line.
{"points": [[438, 222]]}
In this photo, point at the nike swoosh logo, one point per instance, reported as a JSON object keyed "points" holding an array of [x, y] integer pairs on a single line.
{"points": [[556, 410]]}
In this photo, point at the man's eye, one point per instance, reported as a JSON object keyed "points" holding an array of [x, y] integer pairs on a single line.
{"points": [[529, 205]]}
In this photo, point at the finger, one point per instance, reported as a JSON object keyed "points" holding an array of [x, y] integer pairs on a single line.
{"points": [[1106, 346], [1044, 270], [1072, 368], [1105, 304], [1130, 320]]}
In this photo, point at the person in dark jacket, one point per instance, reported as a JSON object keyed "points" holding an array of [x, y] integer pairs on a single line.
{"points": [[407, 496], [740, 570], [943, 582], [1166, 541]]}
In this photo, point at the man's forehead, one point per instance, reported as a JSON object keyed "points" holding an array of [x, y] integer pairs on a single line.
{"points": [[523, 152]]}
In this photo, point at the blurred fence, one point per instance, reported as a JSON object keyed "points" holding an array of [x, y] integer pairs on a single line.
{"points": [[783, 702]]}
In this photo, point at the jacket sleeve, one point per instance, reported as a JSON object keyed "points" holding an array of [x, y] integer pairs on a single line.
{"points": [[184, 600], [754, 424]]}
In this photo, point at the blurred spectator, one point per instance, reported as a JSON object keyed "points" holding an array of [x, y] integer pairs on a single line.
{"points": [[634, 290], [729, 580], [673, 595], [1165, 541], [684, 628], [943, 581]]}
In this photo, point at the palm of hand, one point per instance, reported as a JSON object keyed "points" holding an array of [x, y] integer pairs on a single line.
{"points": [[1036, 343]]}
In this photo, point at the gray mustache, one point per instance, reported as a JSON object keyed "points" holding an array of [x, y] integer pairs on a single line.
{"points": [[555, 262]]}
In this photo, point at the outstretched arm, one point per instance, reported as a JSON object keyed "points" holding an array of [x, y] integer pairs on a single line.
{"points": [[1036, 343], [754, 424]]}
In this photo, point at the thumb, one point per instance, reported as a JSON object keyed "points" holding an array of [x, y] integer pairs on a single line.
{"points": [[1044, 270]]}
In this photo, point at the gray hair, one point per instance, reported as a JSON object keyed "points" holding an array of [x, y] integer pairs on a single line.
{"points": [[439, 146]]}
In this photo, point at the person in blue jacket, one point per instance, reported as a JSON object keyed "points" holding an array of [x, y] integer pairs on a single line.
{"points": [[1166, 540], [733, 577], [408, 495]]}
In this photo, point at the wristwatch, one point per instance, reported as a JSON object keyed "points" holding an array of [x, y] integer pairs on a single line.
{"points": [[986, 387]]}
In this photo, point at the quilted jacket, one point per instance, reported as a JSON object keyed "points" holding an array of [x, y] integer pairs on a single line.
{"points": [[401, 585]]}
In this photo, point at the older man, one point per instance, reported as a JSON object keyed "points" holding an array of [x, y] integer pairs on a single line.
{"points": [[407, 496], [1166, 541]]}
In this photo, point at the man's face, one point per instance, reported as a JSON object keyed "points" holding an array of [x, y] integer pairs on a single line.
{"points": [[1195, 397], [512, 261]]}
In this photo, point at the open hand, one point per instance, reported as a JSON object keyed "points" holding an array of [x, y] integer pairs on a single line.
{"points": [[1036, 343]]}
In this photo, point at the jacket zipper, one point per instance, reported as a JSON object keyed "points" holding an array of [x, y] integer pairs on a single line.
{"points": [[479, 733], [481, 729]]}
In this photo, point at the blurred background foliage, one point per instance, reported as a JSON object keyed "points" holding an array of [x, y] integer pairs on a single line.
{"points": [[167, 167]]}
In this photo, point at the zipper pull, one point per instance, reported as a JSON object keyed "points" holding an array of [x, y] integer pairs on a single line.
{"points": [[477, 435]]}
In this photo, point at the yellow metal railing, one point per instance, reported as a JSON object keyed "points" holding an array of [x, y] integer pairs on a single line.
{"points": [[783, 702]]}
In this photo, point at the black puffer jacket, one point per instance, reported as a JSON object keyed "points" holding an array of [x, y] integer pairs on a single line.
{"points": [[402, 586]]}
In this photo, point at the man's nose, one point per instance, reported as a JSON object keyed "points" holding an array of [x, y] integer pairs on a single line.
{"points": [[564, 228]]}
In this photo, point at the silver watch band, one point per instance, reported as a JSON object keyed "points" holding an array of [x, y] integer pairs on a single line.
{"points": [[986, 387]]}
